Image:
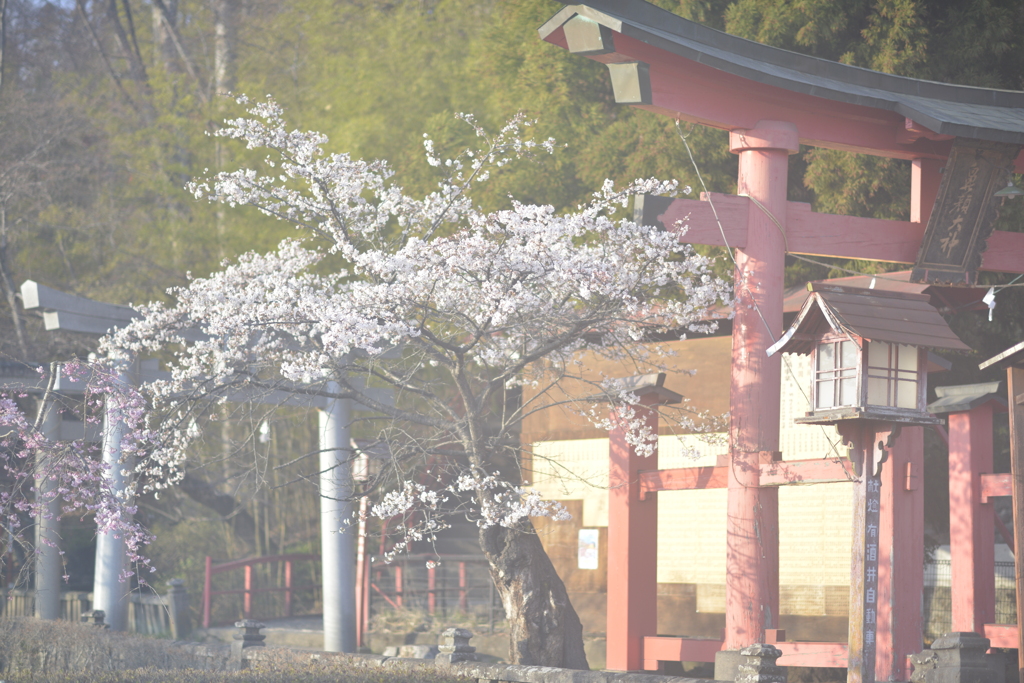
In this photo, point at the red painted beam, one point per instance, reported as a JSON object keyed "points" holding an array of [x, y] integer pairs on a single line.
{"points": [[816, 471], [823, 234], [699, 219], [661, 649], [813, 654], [1002, 635], [995, 485], [683, 478], [777, 473]]}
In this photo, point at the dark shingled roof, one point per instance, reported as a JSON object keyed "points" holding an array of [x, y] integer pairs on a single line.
{"points": [[959, 110], [896, 317]]}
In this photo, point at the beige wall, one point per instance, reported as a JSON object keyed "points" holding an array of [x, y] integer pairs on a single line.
{"points": [[814, 520]]}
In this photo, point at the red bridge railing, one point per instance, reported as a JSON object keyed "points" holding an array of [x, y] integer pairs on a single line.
{"points": [[425, 581], [249, 589]]}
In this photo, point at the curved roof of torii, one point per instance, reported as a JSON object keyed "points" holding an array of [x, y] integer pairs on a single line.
{"points": [[921, 116]]}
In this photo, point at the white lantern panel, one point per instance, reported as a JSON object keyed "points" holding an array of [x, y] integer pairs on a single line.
{"points": [[892, 375], [836, 381]]}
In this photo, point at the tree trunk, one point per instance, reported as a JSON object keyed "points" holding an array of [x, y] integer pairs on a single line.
{"points": [[225, 45], [544, 629], [225, 58], [163, 42], [10, 291]]}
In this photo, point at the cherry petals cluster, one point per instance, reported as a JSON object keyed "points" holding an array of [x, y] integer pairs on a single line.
{"points": [[41, 469], [444, 287]]}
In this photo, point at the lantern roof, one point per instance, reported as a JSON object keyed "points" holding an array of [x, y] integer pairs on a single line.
{"points": [[637, 31], [876, 315]]}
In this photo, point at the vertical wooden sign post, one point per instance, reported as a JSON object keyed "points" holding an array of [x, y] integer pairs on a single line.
{"points": [[869, 443], [864, 577]]}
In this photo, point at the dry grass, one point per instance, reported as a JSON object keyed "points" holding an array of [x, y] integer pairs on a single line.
{"points": [[28, 644], [33, 651], [310, 673]]}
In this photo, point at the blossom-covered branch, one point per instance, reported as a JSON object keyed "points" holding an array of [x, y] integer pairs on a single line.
{"points": [[47, 476], [451, 307]]}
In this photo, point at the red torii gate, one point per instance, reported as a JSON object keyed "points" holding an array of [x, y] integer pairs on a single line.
{"points": [[772, 101]]}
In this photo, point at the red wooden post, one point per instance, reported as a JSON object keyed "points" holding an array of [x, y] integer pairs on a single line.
{"points": [[288, 587], [207, 585], [247, 598], [1015, 382], [901, 557], [431, 588], [632, 551], [367, 595], [462, 587], [632, 536], [398, 583], [752, 542], [972, 528]]}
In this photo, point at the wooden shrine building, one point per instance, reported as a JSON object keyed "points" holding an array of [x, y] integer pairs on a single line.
{"points": [[962, 143]]}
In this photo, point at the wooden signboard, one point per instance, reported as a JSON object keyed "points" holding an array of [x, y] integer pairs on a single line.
{"points": [[864, 578], [965, 212], [869, 443]]}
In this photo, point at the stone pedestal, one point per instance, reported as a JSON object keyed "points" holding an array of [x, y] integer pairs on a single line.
{"points": [[177, 604], [95, 617], [958, 657], [727, 664], [248, 638], [758, 665], [453, 646]]}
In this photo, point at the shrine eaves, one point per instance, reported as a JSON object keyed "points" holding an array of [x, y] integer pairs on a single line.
{"points": [[666, 64]]}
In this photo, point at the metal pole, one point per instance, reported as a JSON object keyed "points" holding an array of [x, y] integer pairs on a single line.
{"points": [[337, 533], [109, 593], [48, 561]]}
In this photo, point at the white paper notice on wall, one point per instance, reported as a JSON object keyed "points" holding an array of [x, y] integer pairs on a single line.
{"points": [[588, 545]]}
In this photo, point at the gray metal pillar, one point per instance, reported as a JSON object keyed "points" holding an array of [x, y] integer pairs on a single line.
{"points": [[108, 592], [48, 560], [337, 533]]}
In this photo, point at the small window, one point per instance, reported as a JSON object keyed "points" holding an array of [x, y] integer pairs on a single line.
{"points": [[835, 375], [892, 375]]}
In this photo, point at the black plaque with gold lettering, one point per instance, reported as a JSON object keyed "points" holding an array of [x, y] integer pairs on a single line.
{"points": [[964, 213]]}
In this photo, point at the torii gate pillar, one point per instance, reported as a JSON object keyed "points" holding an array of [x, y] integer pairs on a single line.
{"points": [[752, 526]]}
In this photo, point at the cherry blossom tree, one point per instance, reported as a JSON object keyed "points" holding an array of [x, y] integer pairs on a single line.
{"points": [[452, 307], [46, 476]]}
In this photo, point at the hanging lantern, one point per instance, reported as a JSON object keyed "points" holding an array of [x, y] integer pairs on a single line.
{"points": [[869, 353]]}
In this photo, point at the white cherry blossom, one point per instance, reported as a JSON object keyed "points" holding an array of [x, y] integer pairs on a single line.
{"points": [[452, 307]]}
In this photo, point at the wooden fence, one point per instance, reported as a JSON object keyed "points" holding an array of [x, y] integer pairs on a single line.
{"points": [[147, 614]]}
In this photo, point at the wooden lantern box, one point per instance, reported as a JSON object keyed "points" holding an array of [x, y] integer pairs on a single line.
{"points": [[869, 353]]}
